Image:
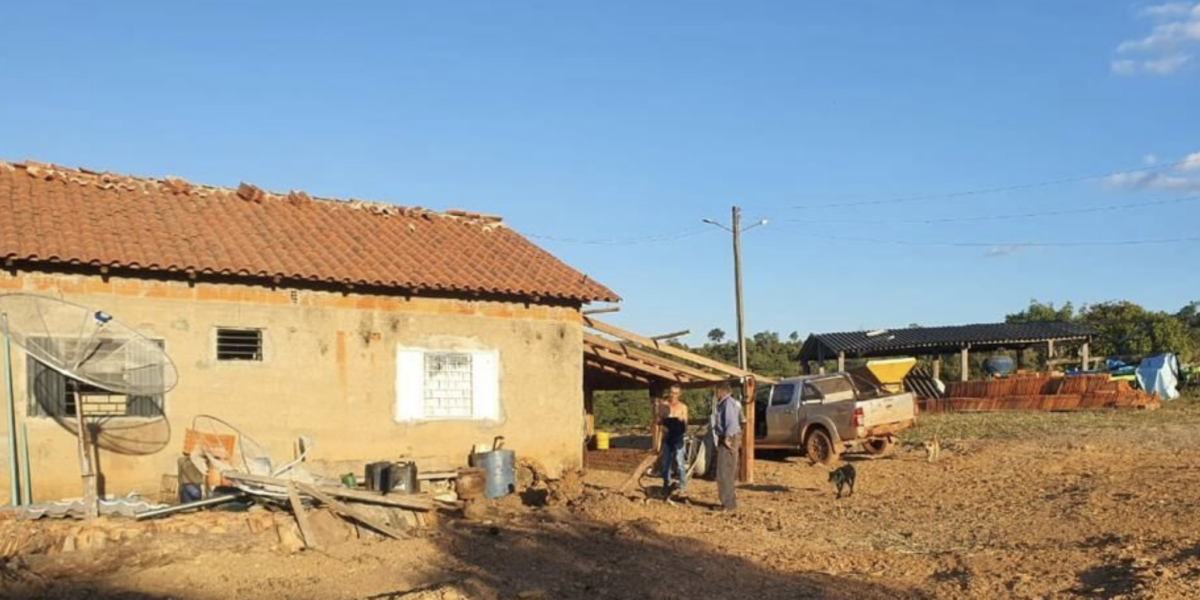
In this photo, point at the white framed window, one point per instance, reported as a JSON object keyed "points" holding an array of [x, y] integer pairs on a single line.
{"points": [[447, 384]]}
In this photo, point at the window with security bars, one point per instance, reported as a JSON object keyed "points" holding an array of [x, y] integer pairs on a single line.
{"points": [[448, 385], [239, 344], [52, 394]]}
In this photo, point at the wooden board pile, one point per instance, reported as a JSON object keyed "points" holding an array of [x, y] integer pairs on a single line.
{"points": [[1042, 392]]}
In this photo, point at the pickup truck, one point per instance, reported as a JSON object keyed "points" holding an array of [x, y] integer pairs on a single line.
{"points": [[825, 415]]}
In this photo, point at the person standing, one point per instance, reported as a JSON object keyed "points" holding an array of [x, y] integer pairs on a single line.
{"points": [[728, 428], [674, 422]]}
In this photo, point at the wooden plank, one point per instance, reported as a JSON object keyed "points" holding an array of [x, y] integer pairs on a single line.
{"points": [[664, 348], [409, 502], [637, 474], [651, 358], [310, 539], [670, 336], [351, 513], [615, 371], [603, 354]]}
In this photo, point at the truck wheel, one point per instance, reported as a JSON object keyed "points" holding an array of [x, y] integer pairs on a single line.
{"points": [[820, 448], [880, 447]]}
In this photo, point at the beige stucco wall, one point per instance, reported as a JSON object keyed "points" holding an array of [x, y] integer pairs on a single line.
{"points": [[329, 372]]}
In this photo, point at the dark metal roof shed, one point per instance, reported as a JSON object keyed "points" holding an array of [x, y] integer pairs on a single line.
{"points": [[940, 340]]}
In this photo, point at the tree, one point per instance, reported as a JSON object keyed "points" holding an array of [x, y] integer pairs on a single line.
{"points": [[1126, 329], [716, 335], [1042, 312]]}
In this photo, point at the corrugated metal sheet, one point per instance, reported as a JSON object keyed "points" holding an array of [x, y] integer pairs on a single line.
{"points": [[918, 340]]}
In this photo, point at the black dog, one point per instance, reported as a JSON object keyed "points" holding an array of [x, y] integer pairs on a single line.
{"points": [[841, 477]]}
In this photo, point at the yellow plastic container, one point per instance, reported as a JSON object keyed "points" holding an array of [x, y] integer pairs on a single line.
{"points": [[891, 372], [602, 440]]}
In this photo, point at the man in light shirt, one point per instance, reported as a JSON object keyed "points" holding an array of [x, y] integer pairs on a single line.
{"points": [[728, 428]]}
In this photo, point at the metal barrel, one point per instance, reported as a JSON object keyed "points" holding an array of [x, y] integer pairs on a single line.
{"points": [[499, 472]]}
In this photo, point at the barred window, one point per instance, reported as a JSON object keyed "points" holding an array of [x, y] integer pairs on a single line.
{"points": [[239, 344], [440, 385]]}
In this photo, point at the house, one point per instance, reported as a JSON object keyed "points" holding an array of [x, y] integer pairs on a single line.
{"points": [[376, 330]]}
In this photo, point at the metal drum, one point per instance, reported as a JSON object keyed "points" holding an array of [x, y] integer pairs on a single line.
{"points": [[499, 469]]}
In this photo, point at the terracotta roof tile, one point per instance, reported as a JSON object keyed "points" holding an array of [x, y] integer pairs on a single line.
{"points": [[57, 215]]}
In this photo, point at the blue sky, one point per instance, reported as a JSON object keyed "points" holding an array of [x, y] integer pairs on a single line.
{"points": [[628, 122]]}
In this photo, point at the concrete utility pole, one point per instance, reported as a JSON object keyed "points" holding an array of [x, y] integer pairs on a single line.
{"points": [[736, 229], [737, 285]]}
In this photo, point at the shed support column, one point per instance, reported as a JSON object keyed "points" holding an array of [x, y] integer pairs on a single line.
{"points": [[655, 426], [1020, 358], [1049, 356], [966, 364], [937, 367], [1085, 352], [841, 362], [746, 460]]}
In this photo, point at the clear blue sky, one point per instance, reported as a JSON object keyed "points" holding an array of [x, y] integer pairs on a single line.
{"points": [[628, 120]]}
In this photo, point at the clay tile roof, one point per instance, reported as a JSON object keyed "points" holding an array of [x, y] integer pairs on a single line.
{"points": [[51, 214]]}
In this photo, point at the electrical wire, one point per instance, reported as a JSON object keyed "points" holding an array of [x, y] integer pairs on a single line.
{"points": [[1010, 244], [627, 241], [983, 190], [1003, 217]]}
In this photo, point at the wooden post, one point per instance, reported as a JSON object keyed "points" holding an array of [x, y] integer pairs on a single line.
{"points": [[655, 425], [306, 531], [937, 367], [966, 364], [87, 471], [746, 460], [589, 413], [1049, 356], [1085, 352], [1020, 358], [841, 362]]}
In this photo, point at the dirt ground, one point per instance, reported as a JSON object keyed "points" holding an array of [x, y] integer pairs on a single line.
{"points": [[1097, 505]]}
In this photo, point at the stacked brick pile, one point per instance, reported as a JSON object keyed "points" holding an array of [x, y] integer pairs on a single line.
{"points": [[1043, 392]]}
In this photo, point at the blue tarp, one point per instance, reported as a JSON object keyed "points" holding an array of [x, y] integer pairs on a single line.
{"points": [[1160, 374]]}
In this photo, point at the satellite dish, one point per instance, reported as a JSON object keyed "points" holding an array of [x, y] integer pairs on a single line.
{"points": [[98, 355]]}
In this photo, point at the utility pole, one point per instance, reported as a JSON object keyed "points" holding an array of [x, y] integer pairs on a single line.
{"points": [[746, 468], [737, 285]]}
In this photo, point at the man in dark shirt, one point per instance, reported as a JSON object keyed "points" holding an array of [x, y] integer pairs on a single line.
{"points": [[728, 428]]}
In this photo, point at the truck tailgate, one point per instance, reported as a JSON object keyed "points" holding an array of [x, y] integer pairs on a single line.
{"points": [[888, 410]]}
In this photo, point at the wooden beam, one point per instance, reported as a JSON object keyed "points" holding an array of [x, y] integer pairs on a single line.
{"points": [[400, 501], [965, 364], [937, 367], [310, 539], [604, 354], [841, 362], [615, 371], [664, 348], [636, 474], [642, 355], [670, 336], [747, 458], [352, 513], [600, 311], [1085, 354]]}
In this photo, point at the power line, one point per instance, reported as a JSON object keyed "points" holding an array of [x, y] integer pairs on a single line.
{"points": [[984, 190], [1005, 217], [1024, 244], [626, 241]]}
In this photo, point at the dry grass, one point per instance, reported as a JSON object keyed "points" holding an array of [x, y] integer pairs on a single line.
{"points": [[1017, 424]]}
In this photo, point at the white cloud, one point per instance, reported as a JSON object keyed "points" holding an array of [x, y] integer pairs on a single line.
{"points": [[1167, 64], [1002, 251], [1190, 162], [1164, 50], [1170, 9], [1152, 180], [1149, 159]]}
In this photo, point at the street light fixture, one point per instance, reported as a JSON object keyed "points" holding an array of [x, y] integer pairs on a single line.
{"points": [[736, 229]]}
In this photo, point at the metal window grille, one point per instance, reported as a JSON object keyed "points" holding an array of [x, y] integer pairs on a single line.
{"points": [[448, 385], [52, 394], [239, 345]]}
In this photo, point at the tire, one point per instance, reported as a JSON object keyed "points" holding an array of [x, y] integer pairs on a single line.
{"points": [[879, 447], [819, 447]]}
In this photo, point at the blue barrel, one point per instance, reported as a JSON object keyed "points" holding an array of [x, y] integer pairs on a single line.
{"points": [[998, 364], [499, 471]]}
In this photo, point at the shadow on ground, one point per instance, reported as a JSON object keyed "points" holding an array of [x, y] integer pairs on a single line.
{"points": [[569, 558]]}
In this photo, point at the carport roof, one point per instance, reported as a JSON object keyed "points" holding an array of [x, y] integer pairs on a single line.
{"points": [[933, 340]]}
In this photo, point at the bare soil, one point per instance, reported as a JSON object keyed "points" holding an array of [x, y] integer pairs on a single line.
{"points": [[1096, 505]]}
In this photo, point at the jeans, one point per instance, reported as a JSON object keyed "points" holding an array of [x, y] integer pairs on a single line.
{"points": [[673, 459]]}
